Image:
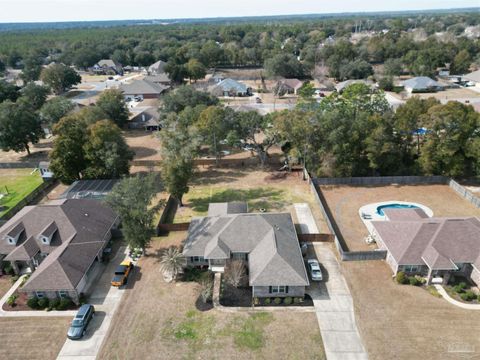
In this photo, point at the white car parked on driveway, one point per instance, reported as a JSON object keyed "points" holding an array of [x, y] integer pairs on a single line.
{"points": [[315, 271]]}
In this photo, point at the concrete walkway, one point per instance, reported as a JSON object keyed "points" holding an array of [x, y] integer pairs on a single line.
{"points": [[28, 313], [334, 309], [305, 219], [106, 299], [452, 301]]}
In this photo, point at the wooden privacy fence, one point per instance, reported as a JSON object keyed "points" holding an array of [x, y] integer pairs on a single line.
{"points": [[164, 229], [316, 237]]}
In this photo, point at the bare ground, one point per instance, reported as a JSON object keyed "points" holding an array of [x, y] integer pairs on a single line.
{"points": [[156, 318], [344, 202], [39, 153]]}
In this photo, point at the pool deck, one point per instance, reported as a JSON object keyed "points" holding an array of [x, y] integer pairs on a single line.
{"points": [[368, 213]]}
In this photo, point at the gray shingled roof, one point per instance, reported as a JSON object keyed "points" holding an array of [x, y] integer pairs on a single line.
{"points": [[230, 84], [270, 239], [82, 226], [404, 214], [26, 251], [158, 78], [421, 83], [436, 242], [234, 207], [142, 87], [107, 63], [157, 67]]}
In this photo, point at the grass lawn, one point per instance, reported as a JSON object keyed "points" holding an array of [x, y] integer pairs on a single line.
{"points": [[15, 184], [155, 317]]}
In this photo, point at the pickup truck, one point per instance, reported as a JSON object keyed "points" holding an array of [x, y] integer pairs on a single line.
{"points": [[121, 273]]}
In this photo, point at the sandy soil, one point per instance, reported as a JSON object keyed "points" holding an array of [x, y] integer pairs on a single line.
{"points": [[344, 202], [151, 308]]}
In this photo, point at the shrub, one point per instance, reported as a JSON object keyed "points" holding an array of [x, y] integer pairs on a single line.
{"points": [[297, 300], [43, 303], [413, 281], [53, 303], [287, 300], [277, 301], [11, 300], [64, 303], [82, 299], [468, 295], [32, 303], [401, 277], [7, 269], [24, 280], [459, 288], [14, 279], [267, 301]]}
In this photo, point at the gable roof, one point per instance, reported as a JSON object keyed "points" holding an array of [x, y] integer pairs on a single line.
{"points": [[421, 82], [269, 239], [437, 242], [230, 84], [108, 63], [25, 251], [142, 87], [157, 67], [292, 83]]}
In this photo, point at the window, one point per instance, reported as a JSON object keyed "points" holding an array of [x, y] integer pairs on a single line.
{"points": [[197, 259], [410, 268], [40, 294], [281, 289], [239, 256], [63, 294]]}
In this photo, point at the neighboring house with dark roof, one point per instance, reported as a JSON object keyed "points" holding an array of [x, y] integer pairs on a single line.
{"points": [[266, 241], [107, 67], [143, 89], [157, 68], [290, 85], [230, 87], [60, 242], [422, 84], [147, 118], [433, 247]]}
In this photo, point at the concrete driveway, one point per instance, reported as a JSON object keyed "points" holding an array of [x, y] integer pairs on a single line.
{"points": [[334, 308], [106, 299]]}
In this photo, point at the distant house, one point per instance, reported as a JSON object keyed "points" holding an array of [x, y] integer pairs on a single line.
{"points": [[147, 118], [45, 172], [291, 85], [161, 79], [230, 87], [421, 84], [267, 242], [433, 247], [344, 84], [143, 89], [474, 78], [107, 67], [157, 68], [61, 242]]}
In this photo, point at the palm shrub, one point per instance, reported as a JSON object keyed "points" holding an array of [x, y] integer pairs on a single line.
{"points": [[172, 262]]}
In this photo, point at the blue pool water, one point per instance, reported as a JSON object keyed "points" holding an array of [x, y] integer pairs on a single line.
{"points": [[394, 206]]}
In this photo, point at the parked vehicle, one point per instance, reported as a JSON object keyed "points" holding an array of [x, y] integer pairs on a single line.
{"points": [[121, 273], [78, 328], [138, 98], [304, 248], [110, 78], [315, 271], [258, 100]]}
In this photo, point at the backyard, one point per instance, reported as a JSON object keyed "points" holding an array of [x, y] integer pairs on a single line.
{"points": [[165, 318], [260, 189], [15, 184]]}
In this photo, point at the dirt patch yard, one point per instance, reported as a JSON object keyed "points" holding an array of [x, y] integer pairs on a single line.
{"points": [[145, 144], [344, 202], [39, 153], [157, 319], [32, 338]]}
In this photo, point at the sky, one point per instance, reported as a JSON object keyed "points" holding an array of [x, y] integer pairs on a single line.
{"points": [[81, 10]]}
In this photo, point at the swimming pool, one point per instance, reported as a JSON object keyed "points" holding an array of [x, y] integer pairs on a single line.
{"points": [[394, 206]]}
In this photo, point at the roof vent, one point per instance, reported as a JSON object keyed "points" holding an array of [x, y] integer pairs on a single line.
{"points": [[86, 214]]}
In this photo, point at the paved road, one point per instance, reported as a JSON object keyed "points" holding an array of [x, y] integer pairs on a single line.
{"points": [[305, 219], [334, 308], [106, 299]]}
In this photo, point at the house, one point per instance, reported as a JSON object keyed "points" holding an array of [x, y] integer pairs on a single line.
{"points": [[267, 242], [422, 84], [344, 84], [433, 247], [146, 118], [473, 78], [60, 242], [157, 68], [161, 79], [107, 67], [45, 172], [290, 85], [230, 87], [142, 89]]}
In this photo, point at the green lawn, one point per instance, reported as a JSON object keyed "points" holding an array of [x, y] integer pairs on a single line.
{"points": [[15, 184], [269, 198]]}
